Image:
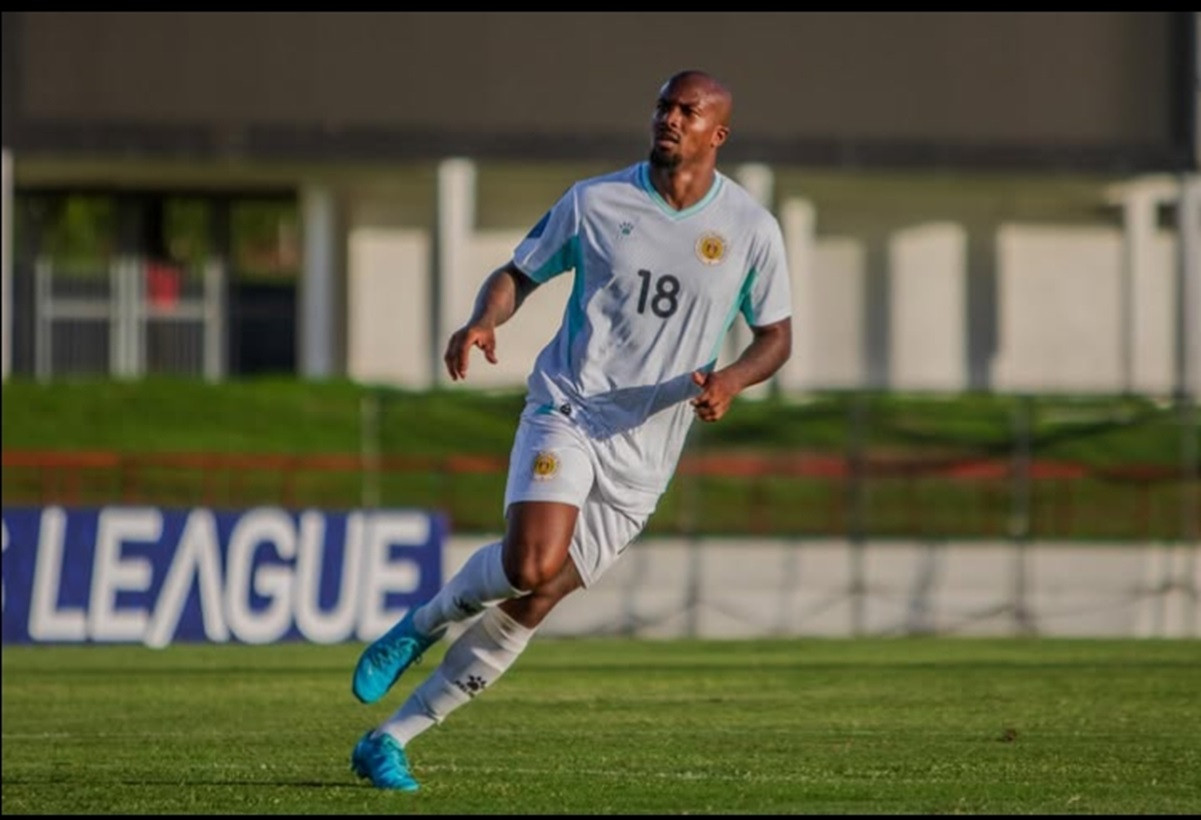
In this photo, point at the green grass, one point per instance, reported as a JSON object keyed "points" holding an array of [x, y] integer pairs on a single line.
{"points": [[613, 726], [245, 416], [282, 415], [415, 433]]}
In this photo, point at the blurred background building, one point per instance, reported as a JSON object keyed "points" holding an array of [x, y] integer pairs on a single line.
{"points": [[989, 200]]}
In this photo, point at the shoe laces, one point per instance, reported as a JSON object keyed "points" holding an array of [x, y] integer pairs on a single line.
{"points": [[390, 652], [388, 754]]}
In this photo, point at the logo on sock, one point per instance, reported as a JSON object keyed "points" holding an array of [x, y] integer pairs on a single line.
{"points": [[472, 686], [546, 464], [467, 607]]}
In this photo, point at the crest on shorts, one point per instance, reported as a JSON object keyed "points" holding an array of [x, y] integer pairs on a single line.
{"points": [[711, 248], [546, 464]]}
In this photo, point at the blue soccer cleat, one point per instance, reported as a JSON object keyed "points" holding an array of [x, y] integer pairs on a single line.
{"points": [[380, 759], [383, 661]]}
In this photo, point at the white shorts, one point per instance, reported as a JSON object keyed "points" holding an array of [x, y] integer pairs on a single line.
{"points": [[553, 460]]}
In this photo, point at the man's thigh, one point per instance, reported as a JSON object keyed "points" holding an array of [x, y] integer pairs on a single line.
{"points": [[550, 461]]}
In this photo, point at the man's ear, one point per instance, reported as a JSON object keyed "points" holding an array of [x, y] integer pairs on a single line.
{"points": [[720, 134]]}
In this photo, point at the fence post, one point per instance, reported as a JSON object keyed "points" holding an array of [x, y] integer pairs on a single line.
{"points": [[127, 345], [369, 446], [139, 316], [1190, 505], [214, 320], [1019, 518], [43, 352], [857, 504]]}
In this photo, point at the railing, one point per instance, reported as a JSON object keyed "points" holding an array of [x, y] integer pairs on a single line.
{"points": [[137, 317], [792, 494]]}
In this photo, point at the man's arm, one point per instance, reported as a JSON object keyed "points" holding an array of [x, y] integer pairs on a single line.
{"points": [[767, 352], [499, 297]]}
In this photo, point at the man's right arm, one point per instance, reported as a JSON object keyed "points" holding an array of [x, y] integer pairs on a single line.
{"points": [[500, 296], [498, 299]]}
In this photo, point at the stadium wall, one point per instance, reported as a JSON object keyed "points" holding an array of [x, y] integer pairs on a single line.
{"points": [[758, 588], [126, 574]]}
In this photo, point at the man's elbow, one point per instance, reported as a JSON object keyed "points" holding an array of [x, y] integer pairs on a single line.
{"points": [[780, 334]]}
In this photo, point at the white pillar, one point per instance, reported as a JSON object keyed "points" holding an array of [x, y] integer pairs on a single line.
{"points": [[1190, 284], [456, 225], [798, 221], [318, 299], [6, 263], [1140, 317], [1141, 218]]}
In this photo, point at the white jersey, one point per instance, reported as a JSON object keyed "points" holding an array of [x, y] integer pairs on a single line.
{"points": [[656, 290]]}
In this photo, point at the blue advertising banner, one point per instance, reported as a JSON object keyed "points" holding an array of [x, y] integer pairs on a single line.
{"points": [[156, 576]]}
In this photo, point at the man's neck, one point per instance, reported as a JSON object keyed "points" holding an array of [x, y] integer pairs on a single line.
{"points": [[683, 187]]}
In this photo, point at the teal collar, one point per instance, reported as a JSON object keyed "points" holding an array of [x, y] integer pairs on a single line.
{"points": [[644, 180]]}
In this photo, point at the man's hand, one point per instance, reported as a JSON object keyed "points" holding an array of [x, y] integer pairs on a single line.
{"points": [[458, 349], [717, 391]]}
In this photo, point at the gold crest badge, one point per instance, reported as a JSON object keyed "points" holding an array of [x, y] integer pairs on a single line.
{"points": [[546, 464], [711, 248]]}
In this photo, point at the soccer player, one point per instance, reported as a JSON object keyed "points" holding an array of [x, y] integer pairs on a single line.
{"points": [[666, 252]]}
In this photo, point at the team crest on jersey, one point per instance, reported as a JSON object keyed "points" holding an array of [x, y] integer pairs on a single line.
{"points": [[711, 248], [546, 464]]}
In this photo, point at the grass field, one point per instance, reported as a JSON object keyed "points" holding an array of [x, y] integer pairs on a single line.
{"points": [[294, 416], [901, 726]]}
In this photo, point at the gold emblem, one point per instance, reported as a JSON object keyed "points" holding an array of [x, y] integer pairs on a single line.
{"points": [[546, 464], [711, 248]]}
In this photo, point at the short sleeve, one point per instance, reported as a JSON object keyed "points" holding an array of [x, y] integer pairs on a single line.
{"points": [[768, 297], [552, 246]]}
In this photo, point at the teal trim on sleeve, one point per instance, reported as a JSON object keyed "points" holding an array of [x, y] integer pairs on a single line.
{"points": [[575, 307], [744, 300], [564, 259], [741, 304]]}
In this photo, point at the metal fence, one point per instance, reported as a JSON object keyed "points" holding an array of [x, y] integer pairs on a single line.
{"points": [[136, 318], [865, 468]]}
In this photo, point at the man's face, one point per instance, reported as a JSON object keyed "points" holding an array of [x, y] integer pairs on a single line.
{"points": [[686, 125]]}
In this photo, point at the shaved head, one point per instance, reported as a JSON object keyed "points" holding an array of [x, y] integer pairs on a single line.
{"points": [[709, 86]]}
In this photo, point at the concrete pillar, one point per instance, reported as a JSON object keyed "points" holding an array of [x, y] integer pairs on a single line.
{"points": [[1140, 219], [318, 303], [798, 220], [1140, 203], [1140, 200], [6, 263], [453, 235], [1189, 218]]}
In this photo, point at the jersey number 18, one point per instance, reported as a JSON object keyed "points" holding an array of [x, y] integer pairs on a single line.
{"points": [[666, 297]]}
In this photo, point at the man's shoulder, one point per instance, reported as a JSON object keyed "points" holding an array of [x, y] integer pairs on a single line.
{"points": [[620, 175], [749, 208]]}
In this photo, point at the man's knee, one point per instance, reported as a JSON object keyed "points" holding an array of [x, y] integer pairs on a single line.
{"points": [[537, 541], [529, 610], [531, 565]]}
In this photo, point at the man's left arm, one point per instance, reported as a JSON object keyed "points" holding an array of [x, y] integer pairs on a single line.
{"points": [[767, 353]]}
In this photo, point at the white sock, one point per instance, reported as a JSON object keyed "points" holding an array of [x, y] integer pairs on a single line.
{"points": [[479, 584], [473, 662]]}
